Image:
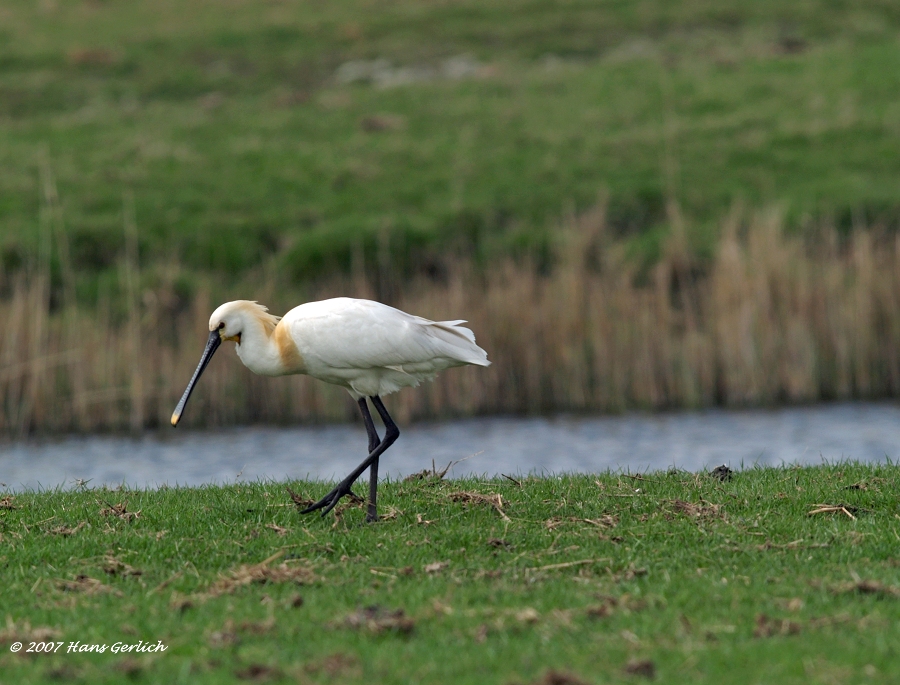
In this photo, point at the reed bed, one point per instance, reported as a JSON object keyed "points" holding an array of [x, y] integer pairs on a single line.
{"points": [[771, 317]]}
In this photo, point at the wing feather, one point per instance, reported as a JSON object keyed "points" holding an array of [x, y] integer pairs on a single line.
{"points": [[360, 334]]}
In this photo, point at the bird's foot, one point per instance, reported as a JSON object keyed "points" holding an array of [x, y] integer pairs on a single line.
{"points": [[328, 502]]}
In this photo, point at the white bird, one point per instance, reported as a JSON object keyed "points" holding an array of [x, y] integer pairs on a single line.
{"points": [[367, 347]]}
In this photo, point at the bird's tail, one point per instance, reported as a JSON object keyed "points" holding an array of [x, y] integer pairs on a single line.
{"points": [[459, 341]]}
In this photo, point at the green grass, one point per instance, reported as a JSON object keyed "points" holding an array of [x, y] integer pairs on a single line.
{"points": [[712, 582], [246, 156]]}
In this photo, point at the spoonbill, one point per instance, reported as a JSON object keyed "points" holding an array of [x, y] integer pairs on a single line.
{"points": [[367, 347]]}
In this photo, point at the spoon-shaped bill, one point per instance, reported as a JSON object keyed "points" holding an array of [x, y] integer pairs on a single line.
{"points": [[211, 345]]}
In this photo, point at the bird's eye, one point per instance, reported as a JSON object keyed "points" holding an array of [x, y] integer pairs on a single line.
{"points": [[221, 325]]}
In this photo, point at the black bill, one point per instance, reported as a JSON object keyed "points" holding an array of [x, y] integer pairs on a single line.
{"points": [[211, 345]]}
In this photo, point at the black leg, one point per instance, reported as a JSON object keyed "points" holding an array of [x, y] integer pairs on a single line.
{"points": [[390, 428], [370, 425], [372, 510], [389, 425], [391, 434]]}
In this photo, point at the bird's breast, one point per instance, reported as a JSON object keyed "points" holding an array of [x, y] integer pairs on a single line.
{"points": [[288, 352]]}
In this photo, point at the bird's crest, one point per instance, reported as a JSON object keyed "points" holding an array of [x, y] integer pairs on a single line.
{"points": [[261, 313]]}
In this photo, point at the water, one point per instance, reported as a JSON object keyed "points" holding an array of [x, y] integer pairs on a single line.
{"points": [[634, 442]]}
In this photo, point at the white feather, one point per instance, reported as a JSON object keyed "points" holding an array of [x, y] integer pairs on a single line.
{"points": [[373, 349]]}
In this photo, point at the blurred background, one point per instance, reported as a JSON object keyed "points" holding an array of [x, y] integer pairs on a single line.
{"points": [[637, 204]]}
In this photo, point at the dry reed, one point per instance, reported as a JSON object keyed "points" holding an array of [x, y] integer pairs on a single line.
{"points": [[771, 318]]}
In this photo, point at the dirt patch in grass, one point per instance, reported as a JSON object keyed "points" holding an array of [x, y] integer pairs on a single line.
{"points": [[224, 637], [767, 626], [494, 500], [567, 564], [828, 621], [640, 667], [115, 567], [794, 544], [66, 531], [300, 501], [434, 476], [376, 619], [86, 585], [609, 605], [628, 574], [351, 501], [119, 511], [869, 483], [431, 477], [229, 633], [701, 510], [262, 572], [607, 521], [528, 615], [867, 587], [390, 514], [375, 123], [63, 673], [257, 627], [23, 632], [6, 503], [337, 665], [130, 667], [553, 677], [258, 673]]}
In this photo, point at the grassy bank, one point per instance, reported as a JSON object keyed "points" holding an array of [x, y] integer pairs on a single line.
{"points": [[599, 579], [768, 318], [268, 138]]}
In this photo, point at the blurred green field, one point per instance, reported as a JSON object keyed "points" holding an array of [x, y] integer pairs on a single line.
{"points": [[261, 140]]}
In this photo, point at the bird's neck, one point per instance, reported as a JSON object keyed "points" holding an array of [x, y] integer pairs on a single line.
{"points": [[269, 352], [258, 350]]}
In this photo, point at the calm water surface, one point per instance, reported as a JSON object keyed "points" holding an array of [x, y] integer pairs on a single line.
{"points": [[633, 442]]}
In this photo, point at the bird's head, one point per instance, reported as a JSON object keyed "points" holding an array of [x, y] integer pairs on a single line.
{"points": [[231, 319], [228, 322]]}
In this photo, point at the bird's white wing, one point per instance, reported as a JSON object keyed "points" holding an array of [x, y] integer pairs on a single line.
{"points": [[360, 334]]}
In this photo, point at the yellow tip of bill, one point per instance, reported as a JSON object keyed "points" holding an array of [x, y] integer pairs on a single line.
{"points": [[175, 418]]}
